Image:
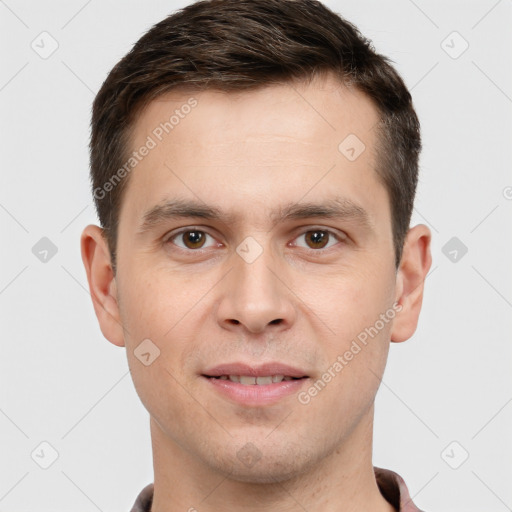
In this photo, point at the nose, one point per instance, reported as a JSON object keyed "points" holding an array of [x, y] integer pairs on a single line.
{"points": [[255, 297]]}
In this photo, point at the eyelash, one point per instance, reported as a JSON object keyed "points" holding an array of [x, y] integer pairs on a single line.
{"points": [[332, 234]]}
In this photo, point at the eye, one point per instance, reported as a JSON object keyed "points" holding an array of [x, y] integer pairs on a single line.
{"points": [[319, 239], [191, 239]]}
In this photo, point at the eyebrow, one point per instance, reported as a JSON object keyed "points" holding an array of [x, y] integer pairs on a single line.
{"points": [[334, 208]]}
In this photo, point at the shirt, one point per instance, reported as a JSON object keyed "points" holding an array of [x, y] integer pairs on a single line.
{"points": [[391, 486]]}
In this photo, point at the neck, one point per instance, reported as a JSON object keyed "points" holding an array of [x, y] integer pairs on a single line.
{"points": [[342, 482]]}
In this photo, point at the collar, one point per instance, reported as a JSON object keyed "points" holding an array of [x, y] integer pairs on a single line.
{"points": [[391, 485]]}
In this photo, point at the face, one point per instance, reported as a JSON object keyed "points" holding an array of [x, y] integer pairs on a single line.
{"points": [[250, 237]]}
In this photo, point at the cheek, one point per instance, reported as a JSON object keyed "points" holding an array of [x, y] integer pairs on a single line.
{"points": [[157, 334], [159, 313], [355, 337], [351, 301], [153, 304], [169, 398]]}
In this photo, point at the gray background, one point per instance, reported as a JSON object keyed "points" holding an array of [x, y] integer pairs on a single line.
{"points": [[446, 393]]}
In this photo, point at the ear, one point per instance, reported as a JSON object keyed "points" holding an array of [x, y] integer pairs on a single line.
{"points": [[102, 284], [414, 266]]}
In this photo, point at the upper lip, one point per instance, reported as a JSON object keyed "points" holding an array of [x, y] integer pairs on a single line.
{"points": [[263, 370]]}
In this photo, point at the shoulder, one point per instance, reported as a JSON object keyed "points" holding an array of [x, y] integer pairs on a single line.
{"points": [[393, 487], [144, 500]]}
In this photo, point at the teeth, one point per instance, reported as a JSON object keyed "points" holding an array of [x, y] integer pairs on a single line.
{"points": [[263, 380], [248, 380]]}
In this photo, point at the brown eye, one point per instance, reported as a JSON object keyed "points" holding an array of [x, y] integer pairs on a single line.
{"points": [[189, 239], [193, 239], [317, 239]]}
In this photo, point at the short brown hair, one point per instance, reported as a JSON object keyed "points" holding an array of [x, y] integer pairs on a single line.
{"points": [[234, 45]]}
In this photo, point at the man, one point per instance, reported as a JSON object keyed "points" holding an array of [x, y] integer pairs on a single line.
{"points": [[254, 166]]}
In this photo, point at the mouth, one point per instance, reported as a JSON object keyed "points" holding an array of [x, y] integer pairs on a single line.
{"points": [[245, 372], [255, 385], [248, 380]]}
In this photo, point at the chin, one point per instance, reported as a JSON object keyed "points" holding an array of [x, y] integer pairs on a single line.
{"points": [[265, 468], [264, 475]]}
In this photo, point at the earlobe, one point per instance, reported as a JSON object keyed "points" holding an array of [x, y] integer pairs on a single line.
{"points": [[102, 284], [414, 266]]}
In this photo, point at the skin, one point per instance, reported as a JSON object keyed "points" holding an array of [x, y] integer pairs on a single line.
{"points": [[299, 302]]}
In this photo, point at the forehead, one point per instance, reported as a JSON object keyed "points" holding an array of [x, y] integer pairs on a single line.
{"points": [[279, 141], [320, 111]]}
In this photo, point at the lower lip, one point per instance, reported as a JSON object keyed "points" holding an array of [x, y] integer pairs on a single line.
{"points": [[256, 394]]}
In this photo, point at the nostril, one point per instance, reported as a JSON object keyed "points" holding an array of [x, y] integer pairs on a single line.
{"points": [[276, 321]]}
